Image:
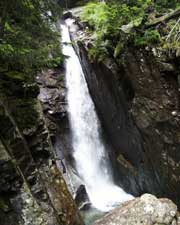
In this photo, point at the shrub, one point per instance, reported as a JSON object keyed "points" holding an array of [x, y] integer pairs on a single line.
{"points": [[106, 19], [150, 37]]}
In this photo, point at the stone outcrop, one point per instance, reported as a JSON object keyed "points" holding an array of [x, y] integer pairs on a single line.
{"points": [[146, 210]]}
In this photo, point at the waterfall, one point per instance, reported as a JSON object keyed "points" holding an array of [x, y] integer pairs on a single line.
{"points": [[92, 162]]}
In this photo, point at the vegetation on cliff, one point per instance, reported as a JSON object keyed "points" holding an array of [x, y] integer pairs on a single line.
{"points": [[32, 189], [115, 24], [28, 40]]}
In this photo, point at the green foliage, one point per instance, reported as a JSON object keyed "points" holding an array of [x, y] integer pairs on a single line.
{"points": [[25, 113], [17, 84], [150, 37], [100, 16], [162, 5], [106, 19], [28, 36], [99, 51], [118, 49]]}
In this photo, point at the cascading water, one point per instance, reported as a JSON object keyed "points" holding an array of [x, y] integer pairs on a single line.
{"points": [[89, 151]]}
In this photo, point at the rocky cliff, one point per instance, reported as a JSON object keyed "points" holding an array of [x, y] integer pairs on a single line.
{"points": [[138, 105], [33, 190]]}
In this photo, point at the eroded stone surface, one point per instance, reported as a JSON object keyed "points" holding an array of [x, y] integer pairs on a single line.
{"points": [[146, 210]]}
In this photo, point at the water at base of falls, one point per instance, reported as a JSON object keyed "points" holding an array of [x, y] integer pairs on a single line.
{"points": [[92, 163]]}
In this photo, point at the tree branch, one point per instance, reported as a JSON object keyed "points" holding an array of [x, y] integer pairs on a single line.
{"points": [[165, 18]]}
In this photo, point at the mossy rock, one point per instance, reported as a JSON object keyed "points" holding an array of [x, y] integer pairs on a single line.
{"points": [[25, 113], [3, 205], [13, 83]]}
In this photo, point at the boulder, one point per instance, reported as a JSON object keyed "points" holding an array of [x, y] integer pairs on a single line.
{"points": [[146, 210], [81, 198]]}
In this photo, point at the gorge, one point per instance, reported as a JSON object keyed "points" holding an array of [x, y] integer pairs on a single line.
{"points": [[89, 113]]}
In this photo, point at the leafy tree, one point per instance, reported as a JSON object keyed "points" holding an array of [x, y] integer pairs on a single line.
{"points": [[28, 40]]}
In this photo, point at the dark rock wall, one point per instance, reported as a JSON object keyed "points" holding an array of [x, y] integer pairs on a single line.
{"points": [[155, 109], [138, 107], [54, 105], [33, 190]]}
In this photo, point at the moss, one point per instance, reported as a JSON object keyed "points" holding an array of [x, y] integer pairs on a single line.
{"points": [[3, 153], [5, 124], [98, 52], [118, 49], [15, 75], [14, 83], [61, 77], [3, 206], [150, 37], [25, 113]]}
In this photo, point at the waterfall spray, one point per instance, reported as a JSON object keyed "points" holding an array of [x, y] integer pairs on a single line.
{"points": [[92, 162]]}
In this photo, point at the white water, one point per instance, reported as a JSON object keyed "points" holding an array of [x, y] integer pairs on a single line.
{"points": [[89, 151]]}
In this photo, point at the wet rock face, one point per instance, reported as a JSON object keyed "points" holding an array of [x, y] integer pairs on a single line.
{"points": [[82, 199], [127, 154], [54, 104], [139, 110], [146, 210], [155, 110], [52, 93], [138, 105]]}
